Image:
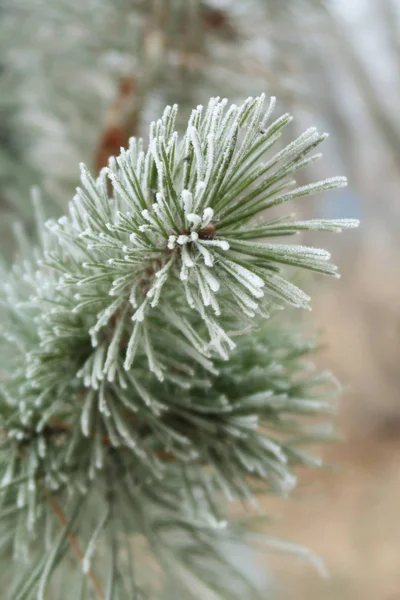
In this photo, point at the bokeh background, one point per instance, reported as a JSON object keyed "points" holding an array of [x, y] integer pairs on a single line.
{"points": [[348, 513], [78, 78]]}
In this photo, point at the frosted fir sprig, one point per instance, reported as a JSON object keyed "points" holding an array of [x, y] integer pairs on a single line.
{"points": [[182, 228], [119, 411]]}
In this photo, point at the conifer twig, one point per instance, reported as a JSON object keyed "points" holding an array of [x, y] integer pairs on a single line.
{"points": [[121, 325]]}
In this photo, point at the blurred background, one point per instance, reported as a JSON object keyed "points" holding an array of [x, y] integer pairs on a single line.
{"points": [[78, 78]]}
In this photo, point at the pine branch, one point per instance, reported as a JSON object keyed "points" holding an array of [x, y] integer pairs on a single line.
{"points": [[141, 354], [180, 218]]}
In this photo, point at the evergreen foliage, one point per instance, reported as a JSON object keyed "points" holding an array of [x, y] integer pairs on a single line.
{"points": [[141, 379]]}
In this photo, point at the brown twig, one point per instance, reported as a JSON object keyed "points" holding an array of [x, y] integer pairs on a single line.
{"points": [[120, 123], [73, 540]]}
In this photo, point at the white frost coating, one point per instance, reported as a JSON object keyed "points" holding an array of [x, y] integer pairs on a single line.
{"points": [[194, 219], [140, 312], [155, 291], [132, 346], [151, 357], [186, 258], [246, 274], [86, 411], [268, 113], [184, 273], [196, 142], [288, 291], [211, 280], [209, 158], [208, 215], [200, 187], [223, 244], [207, 256], [204, 289], [292, 250], [183, 239], [171, 242]]}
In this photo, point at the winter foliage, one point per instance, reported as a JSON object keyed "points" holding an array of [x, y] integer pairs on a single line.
{"points": [[142, 382]]}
